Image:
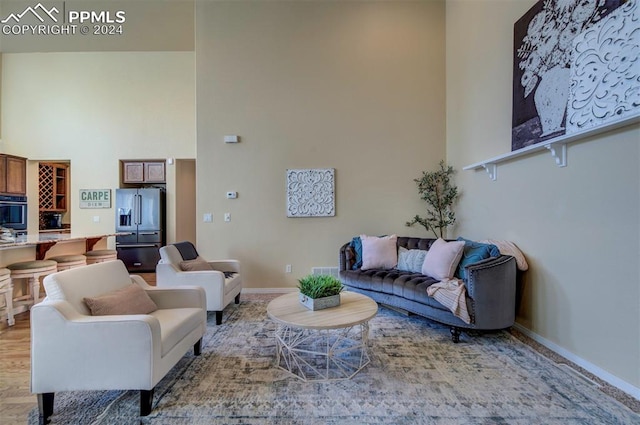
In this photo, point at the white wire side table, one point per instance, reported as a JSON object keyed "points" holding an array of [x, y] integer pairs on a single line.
{"points": [[322, 345]]}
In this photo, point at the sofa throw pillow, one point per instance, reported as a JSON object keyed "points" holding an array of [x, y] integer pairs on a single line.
{"points": [[379, 252], [195, 265], [474, 252], [131, 299], [411, 260], [442, 259], [356, 244]]}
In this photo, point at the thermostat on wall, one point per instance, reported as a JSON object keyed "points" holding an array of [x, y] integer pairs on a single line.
{"points": [[231, 138], [232, 195]]}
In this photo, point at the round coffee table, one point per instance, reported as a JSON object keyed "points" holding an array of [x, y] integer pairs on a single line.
{"points": [[322, 345]]}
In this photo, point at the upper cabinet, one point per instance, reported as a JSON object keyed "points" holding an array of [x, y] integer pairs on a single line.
{"points": [[143, 172], [13, 175], [53, 186]]}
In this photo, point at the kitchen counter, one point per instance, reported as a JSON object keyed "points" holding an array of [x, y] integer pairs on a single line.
{"points": [[63, 230], [44, 241]]}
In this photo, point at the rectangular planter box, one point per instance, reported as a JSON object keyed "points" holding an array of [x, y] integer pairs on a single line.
{"points": [[319, 303]]}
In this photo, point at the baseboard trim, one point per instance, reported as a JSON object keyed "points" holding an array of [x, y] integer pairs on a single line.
{"points": [[268, 290], [597, 371]]}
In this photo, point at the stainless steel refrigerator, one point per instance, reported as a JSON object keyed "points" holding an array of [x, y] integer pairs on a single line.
{"points": [[140, 216]]}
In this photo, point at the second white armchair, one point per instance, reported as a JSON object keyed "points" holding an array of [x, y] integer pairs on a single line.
{"points": [[180, 264]]}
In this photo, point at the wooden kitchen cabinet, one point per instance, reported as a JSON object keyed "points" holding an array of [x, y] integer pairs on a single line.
{"points": [[13, 175], [53, 186], [132, 172], [143, 172]]}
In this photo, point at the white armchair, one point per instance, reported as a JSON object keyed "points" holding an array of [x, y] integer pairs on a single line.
{"points": [[74, 351], [221, 279]]}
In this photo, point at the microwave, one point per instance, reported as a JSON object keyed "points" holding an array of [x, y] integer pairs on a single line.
{"points": [[13, 212]]}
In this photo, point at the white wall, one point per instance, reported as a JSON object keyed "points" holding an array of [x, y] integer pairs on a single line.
{"points": [[579, 226], [94, 109], [355, 86]]}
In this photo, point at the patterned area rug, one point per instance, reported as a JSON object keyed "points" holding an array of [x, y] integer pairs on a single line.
{"points": [[416, 376]]}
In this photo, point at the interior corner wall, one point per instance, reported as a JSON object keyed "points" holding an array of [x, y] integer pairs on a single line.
{"points": [[578, 226], [354, 86]]}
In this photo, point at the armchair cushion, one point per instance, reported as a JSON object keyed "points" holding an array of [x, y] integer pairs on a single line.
{"points": [[197, 264], [131, 299], [175, 323]]}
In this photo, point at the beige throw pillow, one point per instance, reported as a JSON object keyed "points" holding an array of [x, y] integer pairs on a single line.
{"points": [[195, 265], [379, 252], [442, 259], [131, 299]]}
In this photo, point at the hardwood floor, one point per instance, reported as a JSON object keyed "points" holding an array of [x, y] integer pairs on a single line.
{"points": [[16, 400]]}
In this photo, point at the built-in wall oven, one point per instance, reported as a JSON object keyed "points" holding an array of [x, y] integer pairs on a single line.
{"points": [[13, 212]]}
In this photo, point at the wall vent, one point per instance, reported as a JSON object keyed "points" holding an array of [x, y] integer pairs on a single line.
{"points": [[332, 271]]}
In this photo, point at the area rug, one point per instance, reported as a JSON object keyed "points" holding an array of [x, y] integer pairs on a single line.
{"points": [[416, 376]]}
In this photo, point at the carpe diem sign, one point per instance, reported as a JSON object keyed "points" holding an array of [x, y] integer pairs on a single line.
{"points": [[95, 198]]}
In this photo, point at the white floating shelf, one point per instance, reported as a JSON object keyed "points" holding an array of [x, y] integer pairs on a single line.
{"points": [[557, 146]]}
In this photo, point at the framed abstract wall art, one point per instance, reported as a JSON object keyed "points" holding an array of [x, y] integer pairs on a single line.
{"points": [[576, 67]]}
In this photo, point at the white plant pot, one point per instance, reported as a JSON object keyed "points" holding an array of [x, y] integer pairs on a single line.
{"points": [[319, 303]]}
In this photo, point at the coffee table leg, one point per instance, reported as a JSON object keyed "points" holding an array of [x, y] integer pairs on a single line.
{"points": [[323, 355]]}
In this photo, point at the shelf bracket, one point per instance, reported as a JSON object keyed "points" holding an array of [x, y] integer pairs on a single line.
{"points": [[559, 152], [492, 170]]}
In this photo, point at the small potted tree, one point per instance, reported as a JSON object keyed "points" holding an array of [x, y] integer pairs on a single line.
{"points": [[320, 291], [436, 189]]}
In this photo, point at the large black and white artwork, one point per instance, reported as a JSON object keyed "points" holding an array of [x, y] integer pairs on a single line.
{"points": [[311, 192], [575, 67]]}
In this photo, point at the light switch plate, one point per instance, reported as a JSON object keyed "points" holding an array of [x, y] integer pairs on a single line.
{"points": [[207, 217]]}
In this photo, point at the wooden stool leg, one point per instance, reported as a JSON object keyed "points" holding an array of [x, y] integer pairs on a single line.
{"points": [[34, 282], [8, 297]]}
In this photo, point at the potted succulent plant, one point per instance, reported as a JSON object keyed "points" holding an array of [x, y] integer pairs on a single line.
{"points": [[320, 291]]}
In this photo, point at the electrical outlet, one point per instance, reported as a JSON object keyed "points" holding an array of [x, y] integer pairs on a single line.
{"points": [[287, 268], [227, 217]]}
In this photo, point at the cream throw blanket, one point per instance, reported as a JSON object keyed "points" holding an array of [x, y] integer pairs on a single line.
{"points": [[452, 294]]}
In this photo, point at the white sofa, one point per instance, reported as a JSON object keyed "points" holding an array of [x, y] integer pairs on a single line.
{"points": [[220, 288], [73, 351]]}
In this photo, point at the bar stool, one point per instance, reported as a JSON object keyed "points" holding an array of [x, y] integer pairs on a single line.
{"points": [[33, 270], [6, 288], [66, 262], [101, 255]]}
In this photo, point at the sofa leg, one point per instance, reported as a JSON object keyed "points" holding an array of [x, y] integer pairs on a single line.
{"points": [[45, 407], [218, 317], [197, 347], [238, 299], [146, 400], [455, 334]]}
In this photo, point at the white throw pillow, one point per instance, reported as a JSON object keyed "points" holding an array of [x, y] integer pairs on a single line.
{"points": [[411, 260], [442, 259], [379, 252]]}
